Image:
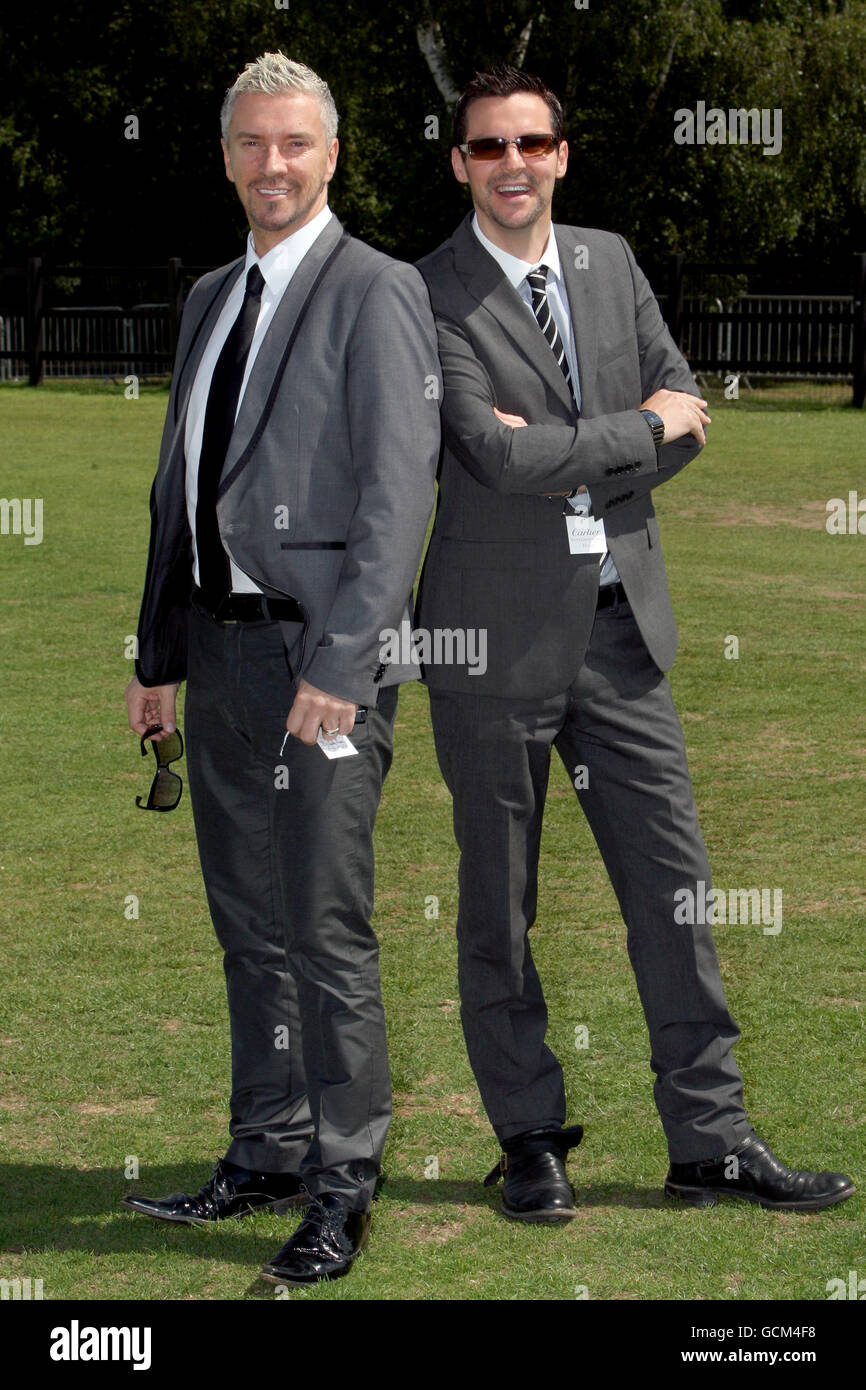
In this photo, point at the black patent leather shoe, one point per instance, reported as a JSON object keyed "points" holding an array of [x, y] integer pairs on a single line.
{"points": [[532, 1164], [231, 1191], [324, 1246], [757, 1176]]}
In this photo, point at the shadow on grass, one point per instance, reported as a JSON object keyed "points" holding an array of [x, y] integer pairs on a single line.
{"points": [[441, 1192], [48, 1207]]}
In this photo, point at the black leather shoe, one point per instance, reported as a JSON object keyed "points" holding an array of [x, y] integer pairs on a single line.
{"points": [[232, 1191], [757, 1176], [324, 1245], [536, 1188]]}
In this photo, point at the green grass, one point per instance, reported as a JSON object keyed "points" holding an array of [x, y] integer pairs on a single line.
{"points": [[780, 393], [113, 1032]]}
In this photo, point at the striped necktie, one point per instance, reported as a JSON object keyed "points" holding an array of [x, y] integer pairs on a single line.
{"points": [[537, 282]]}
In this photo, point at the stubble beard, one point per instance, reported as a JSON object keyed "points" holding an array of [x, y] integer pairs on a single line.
{"points": [[292, 219], [531, 217]]}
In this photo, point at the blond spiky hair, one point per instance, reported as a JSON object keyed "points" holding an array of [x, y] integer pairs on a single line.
{"points": [[276, 74]]}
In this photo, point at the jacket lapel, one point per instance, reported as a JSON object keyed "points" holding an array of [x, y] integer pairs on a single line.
{"points": [[271, 351], [172, 457], [583, 303], [485, 281], [201, 336]]}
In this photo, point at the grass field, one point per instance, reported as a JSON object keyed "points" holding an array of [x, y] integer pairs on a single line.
{"points": [[113, 1031]]}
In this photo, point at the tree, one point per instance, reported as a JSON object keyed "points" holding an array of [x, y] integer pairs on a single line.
{"points": [[84, 183]]}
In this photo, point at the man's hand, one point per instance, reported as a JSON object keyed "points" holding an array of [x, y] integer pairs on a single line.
{"points": [[681, 414], [515, 421], [315, 709], [149, 705]]}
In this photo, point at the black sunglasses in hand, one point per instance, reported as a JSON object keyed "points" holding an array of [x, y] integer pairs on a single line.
{"points": [[166, 787]]}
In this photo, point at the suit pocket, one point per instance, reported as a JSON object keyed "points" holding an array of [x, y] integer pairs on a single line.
{"points": [[312, 545]]}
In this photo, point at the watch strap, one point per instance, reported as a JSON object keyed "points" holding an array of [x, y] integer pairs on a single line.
{"points": [[656, 425]]}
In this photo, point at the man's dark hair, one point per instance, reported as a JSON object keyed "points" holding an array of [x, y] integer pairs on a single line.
{"points": [[505, 81]]}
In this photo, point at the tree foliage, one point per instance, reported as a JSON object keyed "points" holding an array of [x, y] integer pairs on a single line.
{"points": [[77, 189]]}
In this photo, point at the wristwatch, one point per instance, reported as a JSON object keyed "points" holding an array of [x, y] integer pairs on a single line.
{"points": [[657, 426]]}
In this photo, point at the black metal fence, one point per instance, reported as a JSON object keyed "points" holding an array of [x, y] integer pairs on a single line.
{"points": [[56, 322], [817, 334], [810, 334]]}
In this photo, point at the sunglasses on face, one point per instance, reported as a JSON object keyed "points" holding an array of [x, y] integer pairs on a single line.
{"points": [[491, 147], [166, 787]]}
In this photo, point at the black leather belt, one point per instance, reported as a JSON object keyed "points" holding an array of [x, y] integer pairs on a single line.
{"points": [[252, 608], [611, 593]]}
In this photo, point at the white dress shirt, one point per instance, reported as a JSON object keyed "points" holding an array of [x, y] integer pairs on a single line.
{"points": [[516, 271], [277, 268]]}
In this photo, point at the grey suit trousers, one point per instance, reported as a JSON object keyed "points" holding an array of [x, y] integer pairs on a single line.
{"points": [[288, 871], [618, 720]]}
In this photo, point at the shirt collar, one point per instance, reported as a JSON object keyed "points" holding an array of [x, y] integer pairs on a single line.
{"points": [[513, 267], [280, 263]]}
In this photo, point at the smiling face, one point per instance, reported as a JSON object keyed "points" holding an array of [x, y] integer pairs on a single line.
{"points": [[280, 161], [512, 195]]}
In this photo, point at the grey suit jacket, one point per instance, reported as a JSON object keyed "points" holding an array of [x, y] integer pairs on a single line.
{"points": [[498, 557], [328, 481]]}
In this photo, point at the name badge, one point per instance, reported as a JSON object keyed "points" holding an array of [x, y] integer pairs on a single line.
{"points": [[585, 534]]}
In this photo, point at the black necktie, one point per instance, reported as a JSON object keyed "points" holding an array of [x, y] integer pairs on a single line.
{"points": [[219, 421], [537, 281]]}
